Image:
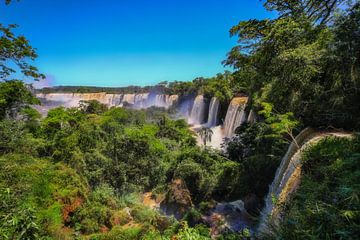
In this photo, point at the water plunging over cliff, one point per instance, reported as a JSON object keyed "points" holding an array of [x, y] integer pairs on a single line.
{"points": [[287, 177], [197, 115], [139, 101], [235, 115], [213, 112], [172, 100]]}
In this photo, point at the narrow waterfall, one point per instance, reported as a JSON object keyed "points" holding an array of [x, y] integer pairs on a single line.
{"points": [[235, 115], [288, 164], [213, 112], [184, 107], [287, 177], [251, 117], [197, 114]]}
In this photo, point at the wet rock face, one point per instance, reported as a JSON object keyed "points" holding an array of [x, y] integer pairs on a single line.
{"points": [[178, 199], [228, 217], [252, 204]]}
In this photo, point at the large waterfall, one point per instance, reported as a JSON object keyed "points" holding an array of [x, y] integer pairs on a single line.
{"points": [[235, 115], [197, 115], [138, 101], [213, 112]]}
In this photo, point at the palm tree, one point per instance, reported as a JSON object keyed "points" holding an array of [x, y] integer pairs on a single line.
{"points": [[205, 134]]}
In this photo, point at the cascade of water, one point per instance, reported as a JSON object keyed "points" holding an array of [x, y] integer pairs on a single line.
{"points": [[287, 176], [251, 117], [172, 100], [110, 99], [160, 100], [213, 112], [117, 99], [65, 99], [197, 114], [235, 115], [144, 100], [129, 98], [138, 101]]}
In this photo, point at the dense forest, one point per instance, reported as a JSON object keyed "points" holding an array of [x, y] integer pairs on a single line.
{"points": [[100, 172]]}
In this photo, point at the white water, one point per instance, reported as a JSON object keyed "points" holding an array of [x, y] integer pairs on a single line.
{"points": [[135, 100], [287, 177], [251, 117], [197, 115], [235, 115], [213, 112], [172, 100], [141, 100]]}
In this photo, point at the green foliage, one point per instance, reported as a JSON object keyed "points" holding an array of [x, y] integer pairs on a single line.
{"points": [[92, 107], [187, 233], [326, 205], [16, 49], [14, 95], [82, 170], [205, 134], [258, 149], [302, 62], [280, 124], [35, 194]]}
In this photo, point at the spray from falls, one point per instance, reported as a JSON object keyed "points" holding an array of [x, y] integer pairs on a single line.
{"points": [[137, 101], [213, 112], [197, 115], [172, 100], [235, 115]]}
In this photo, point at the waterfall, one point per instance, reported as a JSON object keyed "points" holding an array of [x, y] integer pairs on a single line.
{"points": [[197, 114], [172, 100], [184, 107], [160, 100], [73, 99], [213, 112], [251, 117], [140, 100], [164, 100], [287, 177], [117, 99], [235, 115], [129, 98]]}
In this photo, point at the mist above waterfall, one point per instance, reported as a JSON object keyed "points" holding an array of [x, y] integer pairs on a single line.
{"points": [[198, 111], [235, 115], [213, 112]]}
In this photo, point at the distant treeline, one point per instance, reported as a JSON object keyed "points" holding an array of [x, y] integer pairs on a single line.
{"points": [[92, 89]]}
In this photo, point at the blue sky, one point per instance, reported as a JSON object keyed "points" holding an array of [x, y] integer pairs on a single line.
{"points": [[129, 42]]}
